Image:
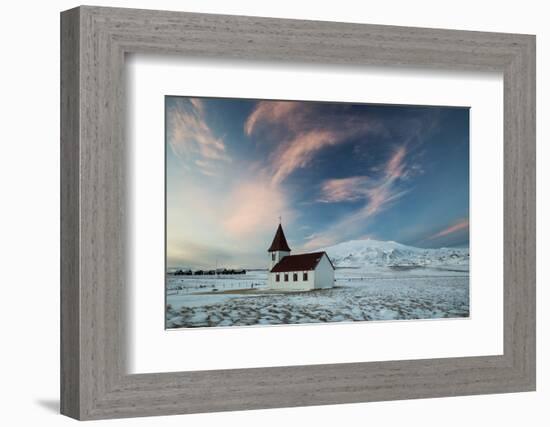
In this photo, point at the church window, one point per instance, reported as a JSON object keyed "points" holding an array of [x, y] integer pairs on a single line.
{"points": [[305, 277], [272, 256], [277, 278], [286, 277]]}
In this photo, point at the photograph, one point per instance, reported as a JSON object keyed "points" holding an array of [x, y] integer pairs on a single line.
{"points": [[284, 212]]}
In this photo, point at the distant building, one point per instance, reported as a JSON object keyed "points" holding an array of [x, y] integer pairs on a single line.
{"points": [[302, 272]]}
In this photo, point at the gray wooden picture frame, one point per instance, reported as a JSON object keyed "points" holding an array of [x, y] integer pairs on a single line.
{"points": [[94, 382]]}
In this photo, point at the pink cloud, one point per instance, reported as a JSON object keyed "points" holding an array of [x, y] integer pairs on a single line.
{"points": [[461, 225], [190, 137], [253, 207], [298, 152], [344, 189], [270, 112], [378, 191], [378, 197], [198, 104], [303, 134], [395, 166], [385, 191], [318, 241]]}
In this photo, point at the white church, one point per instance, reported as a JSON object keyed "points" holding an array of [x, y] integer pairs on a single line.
{"points": [[302, 272]]}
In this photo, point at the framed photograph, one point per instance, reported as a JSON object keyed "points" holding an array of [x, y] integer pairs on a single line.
{"points": [[262, 213], [347, 181]]}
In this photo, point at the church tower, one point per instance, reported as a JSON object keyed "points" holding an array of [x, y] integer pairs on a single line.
{"points": [[279, 248]]}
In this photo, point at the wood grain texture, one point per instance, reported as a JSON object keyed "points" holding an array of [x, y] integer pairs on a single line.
{"points": [[70, 292], [94, 197]]}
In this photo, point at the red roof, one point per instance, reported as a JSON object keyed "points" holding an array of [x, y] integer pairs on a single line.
{"points": [[303, 262], [279, 241]]}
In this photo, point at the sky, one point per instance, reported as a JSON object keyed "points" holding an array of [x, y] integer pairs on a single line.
{"points": [[331, 172]]}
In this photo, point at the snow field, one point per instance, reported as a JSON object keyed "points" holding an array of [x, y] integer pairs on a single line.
{"points": [[358, 296]]}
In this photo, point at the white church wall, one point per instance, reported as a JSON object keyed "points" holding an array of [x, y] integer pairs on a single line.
{"points": [[324, 274], [291, 285]]}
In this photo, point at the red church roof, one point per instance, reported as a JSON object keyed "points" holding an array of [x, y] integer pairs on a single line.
{"points": [[303, 262], [279, 241]]}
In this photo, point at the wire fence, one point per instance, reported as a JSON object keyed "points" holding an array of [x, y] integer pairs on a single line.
{"points": [[185, 289]]}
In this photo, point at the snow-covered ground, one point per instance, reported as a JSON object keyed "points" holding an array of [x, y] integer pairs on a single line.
{"points": [[374, 281], [358, 295]]}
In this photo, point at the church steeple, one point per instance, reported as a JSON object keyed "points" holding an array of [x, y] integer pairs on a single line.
{"points": [[279, 248], [279, 241]]}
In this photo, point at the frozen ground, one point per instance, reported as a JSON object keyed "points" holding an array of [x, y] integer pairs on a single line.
{"points": [[373, 293]]}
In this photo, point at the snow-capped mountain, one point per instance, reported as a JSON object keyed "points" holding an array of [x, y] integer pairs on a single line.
{"points": [[368, 252]]}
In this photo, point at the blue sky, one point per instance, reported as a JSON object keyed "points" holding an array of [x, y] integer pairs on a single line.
{"points": [[333, 172]]}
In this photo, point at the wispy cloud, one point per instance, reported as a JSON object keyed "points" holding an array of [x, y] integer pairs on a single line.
{"points": [[463, 224], [387, 190], [298, 152], [303, 133], [344, 189], [272, 112], [379, 192], [198, 104], [396, 165], [253, 206], [190, 137]]}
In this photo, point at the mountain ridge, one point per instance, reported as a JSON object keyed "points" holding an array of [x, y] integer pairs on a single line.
{"points": [[370, 252]]}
